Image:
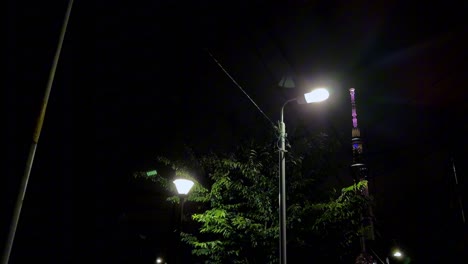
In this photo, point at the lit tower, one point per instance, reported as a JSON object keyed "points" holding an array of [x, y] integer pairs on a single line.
{"points": [[360, 175]]}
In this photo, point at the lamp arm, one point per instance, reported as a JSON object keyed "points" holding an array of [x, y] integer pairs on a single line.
{"points": [[282, 108]]}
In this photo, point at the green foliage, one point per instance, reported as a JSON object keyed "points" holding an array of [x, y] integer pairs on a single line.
{"points": [[238, 219], [241, 222], [343, 212]]}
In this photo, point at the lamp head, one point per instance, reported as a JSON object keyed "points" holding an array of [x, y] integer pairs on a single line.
{"points": [[315, 96], [397, 253], [183, 185]]}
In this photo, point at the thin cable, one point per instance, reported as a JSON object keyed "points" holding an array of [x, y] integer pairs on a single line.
{"points": [[377, 256], [234, 81]]}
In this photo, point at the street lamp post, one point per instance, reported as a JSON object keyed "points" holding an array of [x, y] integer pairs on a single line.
{"points": [[317, 95], [183, 187]]}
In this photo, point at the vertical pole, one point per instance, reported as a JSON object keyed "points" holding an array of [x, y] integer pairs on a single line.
{"points": [[181, 253], [32, 151], [282, 128], [283, 194]]}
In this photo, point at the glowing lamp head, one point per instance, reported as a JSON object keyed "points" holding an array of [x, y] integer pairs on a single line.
{"points": [[183, 186], [315, 96]]}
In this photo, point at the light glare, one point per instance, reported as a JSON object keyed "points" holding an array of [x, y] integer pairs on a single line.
{"points": [[317, 95], [183, 186]]}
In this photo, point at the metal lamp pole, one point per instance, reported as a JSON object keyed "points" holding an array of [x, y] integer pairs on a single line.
{"points": [[317, 95], [183, 188], [180, 256], [283, 135]]}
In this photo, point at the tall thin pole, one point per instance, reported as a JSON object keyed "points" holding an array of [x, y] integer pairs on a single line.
{"points": [[282, 194], [35, 140], [180, 255], [282, 129]]}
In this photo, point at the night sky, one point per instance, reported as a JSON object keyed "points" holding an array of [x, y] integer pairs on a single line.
{"points": [[135, 79]]}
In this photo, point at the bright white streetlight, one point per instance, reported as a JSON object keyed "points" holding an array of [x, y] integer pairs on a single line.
{"points": [[183, 185], [317, 95], [397, 254]]}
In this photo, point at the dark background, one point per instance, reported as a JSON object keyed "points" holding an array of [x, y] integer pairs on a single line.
{"points": [[144, 70]]}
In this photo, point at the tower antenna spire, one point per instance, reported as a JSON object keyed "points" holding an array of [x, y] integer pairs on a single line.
{"points": [[359, 173]]}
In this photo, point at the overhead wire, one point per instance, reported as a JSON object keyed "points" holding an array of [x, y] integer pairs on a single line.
{"points": [[253, 102], [240, 87]]}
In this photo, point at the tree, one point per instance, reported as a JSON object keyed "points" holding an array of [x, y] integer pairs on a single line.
{"points": [[239, 223], [338, 222], [239, 220]]}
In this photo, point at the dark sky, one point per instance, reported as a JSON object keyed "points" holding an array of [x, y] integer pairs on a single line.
{"points": [[144, 69]]}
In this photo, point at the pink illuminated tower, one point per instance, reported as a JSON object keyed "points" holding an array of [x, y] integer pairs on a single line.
{"points": [[359, 172]]}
